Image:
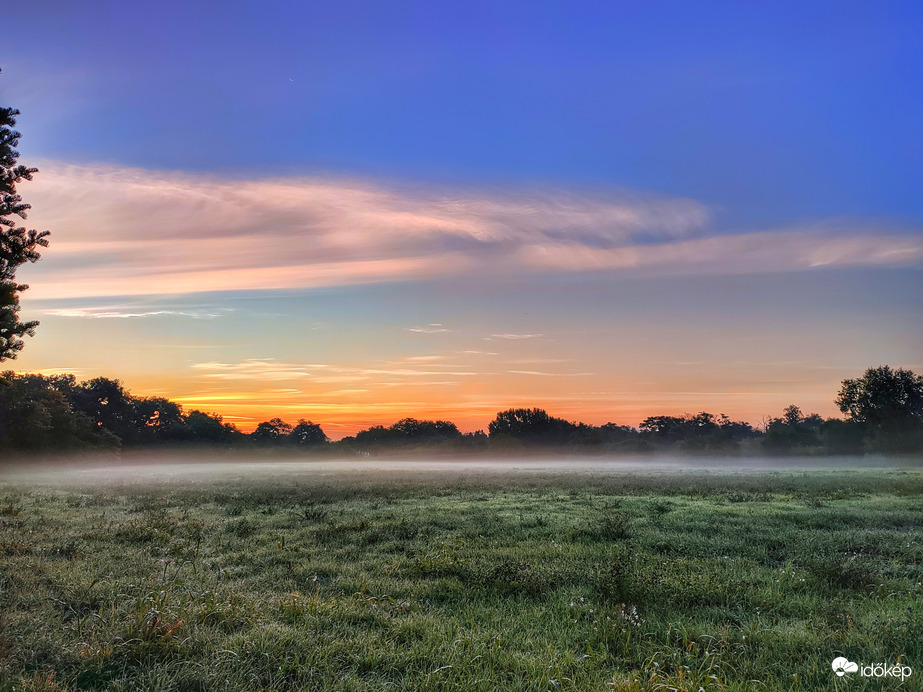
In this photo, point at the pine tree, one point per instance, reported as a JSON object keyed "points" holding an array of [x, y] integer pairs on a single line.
{"points": [[17, 245]]}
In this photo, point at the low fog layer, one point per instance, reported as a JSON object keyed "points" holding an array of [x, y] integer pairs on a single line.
{"points": [[196, 469]]}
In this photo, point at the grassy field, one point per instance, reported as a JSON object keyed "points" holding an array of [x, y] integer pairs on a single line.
{"points": [[634, 581]]}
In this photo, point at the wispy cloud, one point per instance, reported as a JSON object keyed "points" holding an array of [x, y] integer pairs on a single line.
{"points": [[49, 372], [411, 372], [256, 369], [146, 232], [434, 328], [513, 337], [108, 313], [767, 251], [272, 370], [428, 383], [549, 374]]}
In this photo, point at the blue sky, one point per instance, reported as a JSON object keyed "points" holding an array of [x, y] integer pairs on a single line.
{"points": [[563, 138], [767, 111]]}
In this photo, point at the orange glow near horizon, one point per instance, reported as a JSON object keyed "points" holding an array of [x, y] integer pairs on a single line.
{"points": [[471, 405]]}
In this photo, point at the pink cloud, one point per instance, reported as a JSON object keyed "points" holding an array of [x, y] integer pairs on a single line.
{"points": [[124, 231]]}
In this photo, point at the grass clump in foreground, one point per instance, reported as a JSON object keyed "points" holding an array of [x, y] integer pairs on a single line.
{"points": [[637, 582]]}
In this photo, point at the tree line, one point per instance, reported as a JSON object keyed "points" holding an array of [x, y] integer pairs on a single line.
{"points": [[883, 412]]}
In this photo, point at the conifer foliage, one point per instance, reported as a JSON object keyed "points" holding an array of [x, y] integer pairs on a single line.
{"points": [[17, 244]]}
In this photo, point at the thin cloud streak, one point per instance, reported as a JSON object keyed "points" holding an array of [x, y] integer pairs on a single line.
{"points": [[256, 369], [550, 374], [271, 370], [107, 313], [146, 232], [53, 371], [761, 252], [513, 337], [434, 328]]}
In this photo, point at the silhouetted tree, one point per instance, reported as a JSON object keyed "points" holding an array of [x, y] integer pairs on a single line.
{"points": [[703, 432], [159, 420], [889, 404], [793, 431], [408, 431], [273, 431], [612, 432], [307, 434], [17, 244], [134, 420], [531, 426], [374, 436], [411, 429], [671, 429], [472, 442], [210, 429], [35, 416], [736, 430], [608, 437], [842, 436], [792, 415], [109, 405]]}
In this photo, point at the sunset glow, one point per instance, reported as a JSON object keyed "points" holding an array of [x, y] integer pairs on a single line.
{"points": [[383, 226]]}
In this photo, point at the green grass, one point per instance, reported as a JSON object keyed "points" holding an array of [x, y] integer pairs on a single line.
{"points": [[710, 581]]}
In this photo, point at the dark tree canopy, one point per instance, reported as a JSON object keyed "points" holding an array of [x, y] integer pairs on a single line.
{"points": [[35, 415], [413, 429], [701, 432], [531, 426], [273, 431], [106, 402], [210, 429], [889, 403], [408, 431], [17, 244], [793, 431], [56, 413], [883, 396], [307, 434]]}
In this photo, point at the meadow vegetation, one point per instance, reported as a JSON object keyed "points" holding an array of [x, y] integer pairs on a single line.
{"points": [[635, 581]]}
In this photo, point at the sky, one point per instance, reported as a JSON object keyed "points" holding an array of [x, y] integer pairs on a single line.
{"points": [[354, 212]]}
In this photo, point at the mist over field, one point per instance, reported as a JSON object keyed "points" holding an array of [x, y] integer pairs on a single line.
{"points": [[179, 467]]}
